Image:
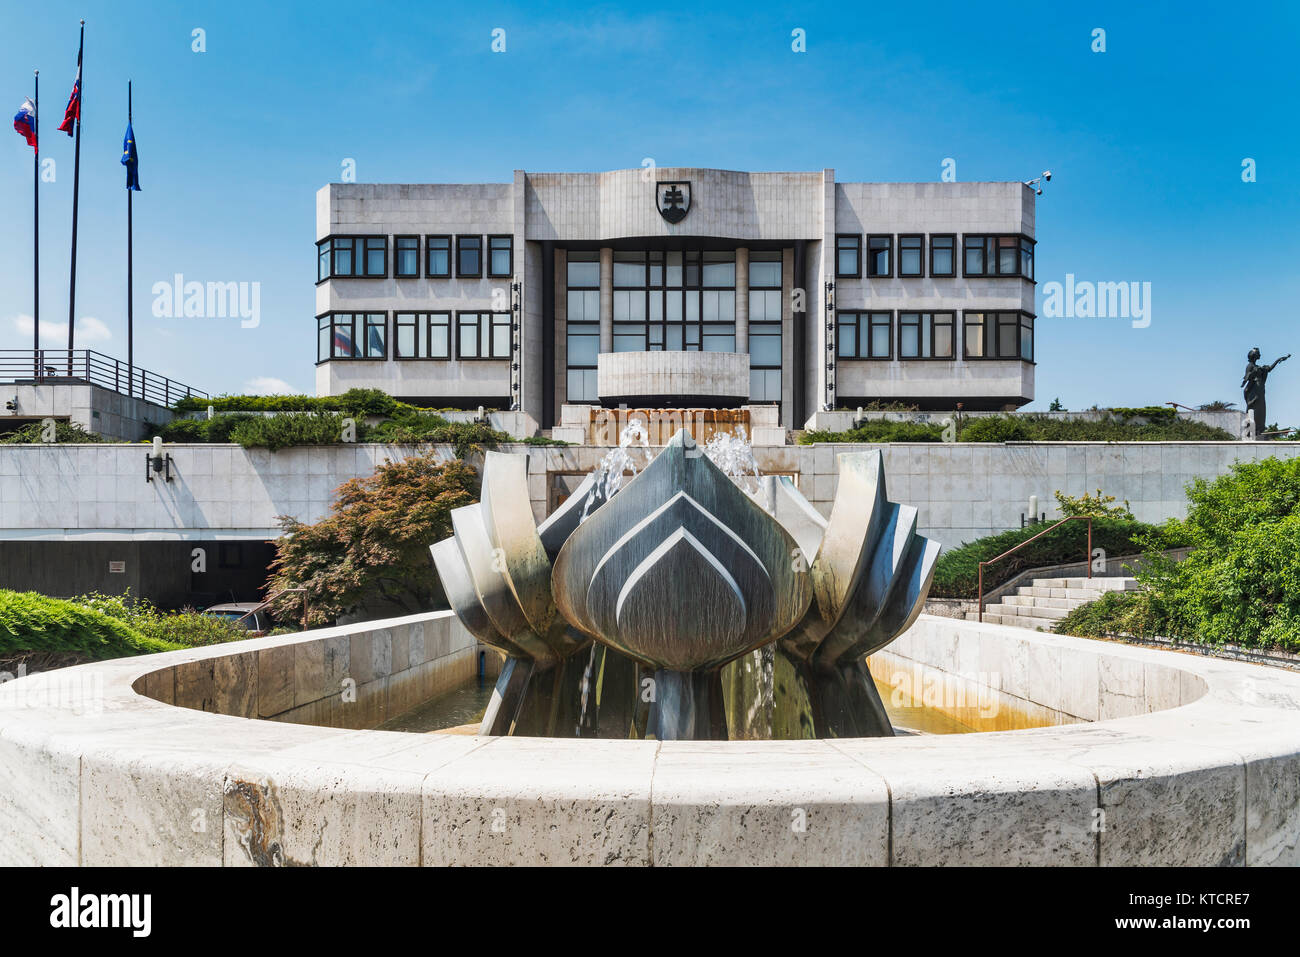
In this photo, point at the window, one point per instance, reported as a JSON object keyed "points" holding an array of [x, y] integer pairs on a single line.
{"points": [[469, 257], [501, 256], [438, 257], [352, 257], [942, 249], [879, 256], [406, 256], [673, 301], [483, 335], [422, 335], [1011, 255], [848, 254], [910, 250], [351, 335], [998, 335], [925, 335], [765, 326], [865, 335], [582, 330]]}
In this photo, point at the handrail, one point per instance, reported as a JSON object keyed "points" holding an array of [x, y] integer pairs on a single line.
{"points": [[86, 365], [1087, 559]]}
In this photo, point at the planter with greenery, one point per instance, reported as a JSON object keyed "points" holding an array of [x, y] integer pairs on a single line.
{"points": [[1241, 583]]}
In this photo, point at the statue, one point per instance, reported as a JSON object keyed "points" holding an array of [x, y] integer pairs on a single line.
{"points": [[1253, 387]]}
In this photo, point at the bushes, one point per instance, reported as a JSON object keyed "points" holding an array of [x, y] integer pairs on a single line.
{"points": [[31, 434], [1241, 583], [33, 622], [419, 428], [182, 629], [878, 430], [957, 573], [354, 401], [1135, 613], [1151, 424], [373, 547]]}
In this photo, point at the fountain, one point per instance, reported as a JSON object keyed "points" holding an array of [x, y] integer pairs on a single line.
{"points": [[617, 615]]}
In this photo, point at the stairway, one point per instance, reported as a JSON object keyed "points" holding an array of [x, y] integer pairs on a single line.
{"points": [[1045, 601]]}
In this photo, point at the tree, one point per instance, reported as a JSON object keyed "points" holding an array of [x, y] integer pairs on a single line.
{"points": [[1056, 406], [373, 547], [1098, 506]]}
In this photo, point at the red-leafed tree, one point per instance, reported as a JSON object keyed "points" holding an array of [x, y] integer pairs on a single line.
{"points": [[373, 547]]}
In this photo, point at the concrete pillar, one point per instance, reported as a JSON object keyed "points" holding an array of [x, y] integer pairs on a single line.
{"points": [[606, 299], [788, 350], [560, 379], [742, 299]]}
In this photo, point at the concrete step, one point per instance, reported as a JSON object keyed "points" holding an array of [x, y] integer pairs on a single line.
{"points": [[1043, 602], [1027, 611], [1097, 583]]}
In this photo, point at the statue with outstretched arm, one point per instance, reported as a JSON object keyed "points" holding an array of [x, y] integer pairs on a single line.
{"points": [[1252, 384]]}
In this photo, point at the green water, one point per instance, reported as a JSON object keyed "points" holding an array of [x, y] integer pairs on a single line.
{"points": [[466, 704]]}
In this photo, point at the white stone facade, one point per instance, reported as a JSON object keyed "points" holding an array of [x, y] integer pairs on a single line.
{"points": [[794, 216]]}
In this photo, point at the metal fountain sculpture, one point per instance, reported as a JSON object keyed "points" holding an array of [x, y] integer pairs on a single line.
{"points": [[618, 614]]}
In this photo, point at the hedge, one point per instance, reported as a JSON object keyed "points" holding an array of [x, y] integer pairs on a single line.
{"points": [[34, 622]]}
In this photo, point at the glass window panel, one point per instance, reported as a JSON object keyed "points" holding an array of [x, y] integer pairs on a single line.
{"points": [[622, 305], [673, 338], [1027, 339], [1007, 248], [909, 256], [710, 306], [407, 254], [322, 338], [1027, 259], [656, 306], [439, 256], [343, 257], [879, 341], [673, 305], [500, 264], [322, 260], [692, 336], [584, 345], [629, 269], [764, 348], [673, 270], [975, 257], [909, 335], [629, 344], [375, 252], [847, 338], [469, 256], [343, 341], [1007, 340], [720, 269], [764, 272], [467, 340], [941, 249], [974, 334], [583, 269], [692, 307], [943, 337]]}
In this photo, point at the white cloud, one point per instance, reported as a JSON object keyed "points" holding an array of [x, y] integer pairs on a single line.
{"points": [[55, 334], [268, 385]]}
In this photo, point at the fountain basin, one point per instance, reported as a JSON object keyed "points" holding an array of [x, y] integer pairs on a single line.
{"points": [[1170, 759]]}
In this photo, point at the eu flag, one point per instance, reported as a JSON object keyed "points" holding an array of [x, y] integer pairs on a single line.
{"points": [[130, 160]]}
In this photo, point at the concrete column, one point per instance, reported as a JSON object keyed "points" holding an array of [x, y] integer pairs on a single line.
{"points": [[742, 299], [606, 299], [788, 350]]}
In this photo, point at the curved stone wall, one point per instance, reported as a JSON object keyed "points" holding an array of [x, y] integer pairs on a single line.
{"points": [[1175, 760]]}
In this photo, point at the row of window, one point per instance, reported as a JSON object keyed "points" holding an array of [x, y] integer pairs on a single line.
{"points": [[366, 257], [416, 335], [882, 334], [905, 255]]}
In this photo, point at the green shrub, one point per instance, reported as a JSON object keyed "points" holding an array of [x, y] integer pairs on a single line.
{"points": [[1148, 424], [429, 428], [30, 434], [1001, 428], [282, 431], [33, 622], [878, 430], [957, 573], [1098, 506], [1116, 613], [185, 629], [354, 402]]}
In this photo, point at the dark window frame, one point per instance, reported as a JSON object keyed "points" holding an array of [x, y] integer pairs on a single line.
{"points": [[484, 334], [992, 245], [863, 322], [360, 256], [870, 271], [955, 251], [359, 332], [510, 250], [397, 274], [460, 242], [451, 255], [424, 319], [927, 318], [991, 322], [920, 256], [857, 255]]}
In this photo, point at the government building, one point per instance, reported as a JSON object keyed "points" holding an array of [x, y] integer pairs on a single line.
{"points": [[678, 288]]}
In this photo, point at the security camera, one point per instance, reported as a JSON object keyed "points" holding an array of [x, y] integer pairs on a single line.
{"points": [[1047, 175], [11, 405]]}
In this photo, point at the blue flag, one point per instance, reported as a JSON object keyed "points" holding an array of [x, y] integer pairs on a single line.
{"points": [[130, 160]]}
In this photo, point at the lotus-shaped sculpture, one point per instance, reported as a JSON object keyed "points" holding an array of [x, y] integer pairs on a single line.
{"points": [[496, 572], [684, 572], [871, 574]]}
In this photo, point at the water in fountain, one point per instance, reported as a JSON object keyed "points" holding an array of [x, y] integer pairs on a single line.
{"points": [[733, 453], [609, 473]]}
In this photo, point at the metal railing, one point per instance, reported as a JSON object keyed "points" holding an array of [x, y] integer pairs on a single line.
{"points": [[62, 366], [270, 600], [1087, 556]]}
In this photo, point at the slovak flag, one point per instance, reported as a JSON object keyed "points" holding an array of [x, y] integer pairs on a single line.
{"points": [[25, 122], [73, 113]]}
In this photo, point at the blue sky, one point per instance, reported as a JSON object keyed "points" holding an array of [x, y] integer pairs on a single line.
{"points": [[1146, 143]]}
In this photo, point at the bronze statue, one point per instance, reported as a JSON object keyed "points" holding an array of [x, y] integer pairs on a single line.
{"points": [[1253, 386]]}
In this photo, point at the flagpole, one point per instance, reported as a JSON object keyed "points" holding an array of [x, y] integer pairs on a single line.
{"points": [[76, 184], [130, 270], [36, 233]]}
